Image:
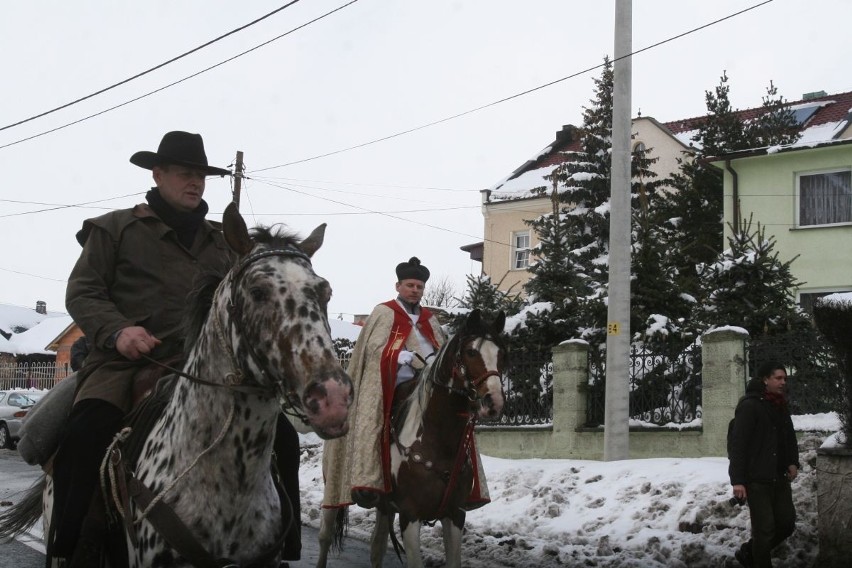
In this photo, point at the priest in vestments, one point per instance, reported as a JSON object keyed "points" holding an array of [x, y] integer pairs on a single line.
{"points": [[399, 337]]}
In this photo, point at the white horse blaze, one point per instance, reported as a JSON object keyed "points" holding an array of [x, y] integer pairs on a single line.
{"points": [[490, 356]]}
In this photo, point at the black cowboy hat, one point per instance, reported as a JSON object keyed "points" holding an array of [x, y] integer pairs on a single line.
{"points": [[181, 149]]}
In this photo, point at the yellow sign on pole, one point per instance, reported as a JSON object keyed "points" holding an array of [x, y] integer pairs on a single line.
{"points": [[613, 328]]}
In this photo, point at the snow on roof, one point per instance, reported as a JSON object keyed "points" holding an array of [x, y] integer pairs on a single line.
{"points": [[821, 132], [520, 186], [822, 119], [37, 338], [686, 138], [15, 319], [344, 329]]}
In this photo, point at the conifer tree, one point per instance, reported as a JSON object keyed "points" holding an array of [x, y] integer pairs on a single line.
{"points": [[572, 271], [749, 286], [484, 295], [692, 216]]}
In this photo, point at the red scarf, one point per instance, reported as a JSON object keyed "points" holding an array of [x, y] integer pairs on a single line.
{"points": [[777, 399]]}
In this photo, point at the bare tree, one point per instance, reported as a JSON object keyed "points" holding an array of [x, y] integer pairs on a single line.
{"points": [[440, 293]]}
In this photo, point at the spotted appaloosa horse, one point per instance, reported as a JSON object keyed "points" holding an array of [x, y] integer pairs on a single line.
{"points": [[432, 467], [263, 346]]}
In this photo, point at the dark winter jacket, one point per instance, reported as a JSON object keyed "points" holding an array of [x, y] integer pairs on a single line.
{"points": [[763, 442], [134, 271]]}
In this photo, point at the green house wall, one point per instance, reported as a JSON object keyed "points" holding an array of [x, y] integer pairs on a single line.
{"points": [[767, 190]]}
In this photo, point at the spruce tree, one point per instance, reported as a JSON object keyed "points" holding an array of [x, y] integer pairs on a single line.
{"points": [[482, 294], [749, 286], [691, 217]]}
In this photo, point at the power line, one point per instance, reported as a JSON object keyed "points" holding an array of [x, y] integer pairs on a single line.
{"points": [[34, 275], [393, 186], [172, 60], [392, 216], [58, 206], [506, 99], [347, 192], [148, 94]]}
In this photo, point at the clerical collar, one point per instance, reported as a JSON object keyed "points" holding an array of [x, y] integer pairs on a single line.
{"points": [[409, 307]]}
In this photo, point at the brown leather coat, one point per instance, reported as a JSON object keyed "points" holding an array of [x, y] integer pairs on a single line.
{"points": [[134, 271]]}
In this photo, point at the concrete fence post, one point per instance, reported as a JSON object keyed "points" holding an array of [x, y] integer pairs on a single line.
{"points": [[570, 375], [723, 379]]}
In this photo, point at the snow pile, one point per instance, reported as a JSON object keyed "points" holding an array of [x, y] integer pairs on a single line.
{"points": [[648, 513]]}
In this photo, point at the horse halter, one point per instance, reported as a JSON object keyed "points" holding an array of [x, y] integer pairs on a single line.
{"points": [[236, 377]]}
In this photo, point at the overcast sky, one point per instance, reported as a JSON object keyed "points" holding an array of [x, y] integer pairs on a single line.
{"points": [[373, 69]]}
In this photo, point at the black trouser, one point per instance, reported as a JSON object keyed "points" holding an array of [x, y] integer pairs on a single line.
{"points": [[90, 429], [773, 517], [288, 455]]}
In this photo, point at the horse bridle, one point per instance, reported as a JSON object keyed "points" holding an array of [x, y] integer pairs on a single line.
{"points": [[460, 371], [235, 380], [291, 397]]}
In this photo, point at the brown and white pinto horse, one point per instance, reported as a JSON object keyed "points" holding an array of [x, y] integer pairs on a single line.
{"points": [[433, 462]]}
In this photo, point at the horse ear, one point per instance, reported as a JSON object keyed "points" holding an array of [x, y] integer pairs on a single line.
{"points": [[236, 232], [499, 322], [474, 319], [314, 241]]}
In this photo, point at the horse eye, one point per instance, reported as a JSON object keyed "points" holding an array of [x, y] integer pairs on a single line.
{"points": [[470, 352], [258, 294]]}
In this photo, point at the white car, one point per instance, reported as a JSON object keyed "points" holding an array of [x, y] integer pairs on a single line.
{"points": [[14, 405]]}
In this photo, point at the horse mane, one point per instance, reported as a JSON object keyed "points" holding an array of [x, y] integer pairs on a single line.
{"points": [[200, 299], [275, 236], [198, 306], [431, 373]]}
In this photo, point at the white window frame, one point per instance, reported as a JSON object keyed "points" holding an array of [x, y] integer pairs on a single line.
{"points": [[520, 259], [799, 176]]}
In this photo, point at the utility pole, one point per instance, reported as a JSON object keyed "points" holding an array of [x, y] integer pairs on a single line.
{"points": [[616, 406], [238, 178]]}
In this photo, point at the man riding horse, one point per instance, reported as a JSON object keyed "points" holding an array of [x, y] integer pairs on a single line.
{"points": [[398, 339], [127, 292]]}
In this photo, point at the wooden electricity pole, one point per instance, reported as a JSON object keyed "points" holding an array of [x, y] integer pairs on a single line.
{"points": [[238, 178]]}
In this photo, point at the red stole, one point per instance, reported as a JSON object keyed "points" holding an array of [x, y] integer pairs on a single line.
{"points": [[400, 330]]}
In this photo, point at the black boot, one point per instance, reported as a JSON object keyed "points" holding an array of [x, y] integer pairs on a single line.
{"points": [[89, 550], [744, 556]]}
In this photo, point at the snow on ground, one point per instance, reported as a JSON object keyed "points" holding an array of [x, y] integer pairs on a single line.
{"points": [[644, 513]]}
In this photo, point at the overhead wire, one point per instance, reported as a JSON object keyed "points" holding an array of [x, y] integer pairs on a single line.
{"points": [[347, 192], [163, 88], [365, 209], [509, 98], [421, 127], [58, 206], [152, 69]]}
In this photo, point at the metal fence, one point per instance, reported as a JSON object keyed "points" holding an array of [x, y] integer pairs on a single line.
{"points": [[664, 383], [814, 378], [40, 376], [528, 388]]}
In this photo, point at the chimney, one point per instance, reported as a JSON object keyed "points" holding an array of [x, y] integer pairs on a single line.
{"points": [[41, 307], [813, 95], [567, 135]]}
